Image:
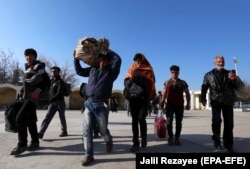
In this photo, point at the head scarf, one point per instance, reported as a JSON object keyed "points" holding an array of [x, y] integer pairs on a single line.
{"points": [[144, 69]]}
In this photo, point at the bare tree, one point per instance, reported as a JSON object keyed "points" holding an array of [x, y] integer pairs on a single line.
{"points": [[7, 66], [18, 76], [67, 72]]}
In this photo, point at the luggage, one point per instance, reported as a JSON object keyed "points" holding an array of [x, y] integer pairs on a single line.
{"points": [[88, 50], [10, 115], [160, 127]]}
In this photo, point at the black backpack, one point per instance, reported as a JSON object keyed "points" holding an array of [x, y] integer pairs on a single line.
{"points": [[67, 90], [82, 91]]}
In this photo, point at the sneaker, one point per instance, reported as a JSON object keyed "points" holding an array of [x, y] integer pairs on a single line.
{"points": [[230, 150], [40, 136], [109, 146], [177, 142], [87, 160], [33, 146], [134, 148], [143, 143], [218, 149], [170, 142], [18, 150], [63, 134]]}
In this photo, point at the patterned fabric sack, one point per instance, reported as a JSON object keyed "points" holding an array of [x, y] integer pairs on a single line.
{"points": [[89, 48], [160, 127]]}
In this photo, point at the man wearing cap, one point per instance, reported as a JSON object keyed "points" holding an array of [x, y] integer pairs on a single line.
{"points": [[98, 91]]}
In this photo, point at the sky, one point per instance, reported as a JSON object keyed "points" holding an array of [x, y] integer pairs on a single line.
{"points": [[187, 33]]}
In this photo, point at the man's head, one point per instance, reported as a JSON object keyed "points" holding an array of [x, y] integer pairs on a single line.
{"points": [[174, 69], [55, 71], [104, 60], [30, 55], [219, 62]]}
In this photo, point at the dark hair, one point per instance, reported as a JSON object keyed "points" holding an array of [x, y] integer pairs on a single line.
{"points": [[30, 51], [56, 67], [104, 57], [175, 67], [138, 56]]}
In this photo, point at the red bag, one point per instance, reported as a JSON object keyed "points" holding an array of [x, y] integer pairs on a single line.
{"points": [[160, 126]]}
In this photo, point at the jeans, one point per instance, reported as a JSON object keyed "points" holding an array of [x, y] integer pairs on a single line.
{"points": [[228, 118], [94, 111], [52, 109], [178, 110]]}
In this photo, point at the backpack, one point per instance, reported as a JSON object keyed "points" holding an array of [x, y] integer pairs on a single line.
{"points": [[67, 90], [136, 91], [82, 90]]}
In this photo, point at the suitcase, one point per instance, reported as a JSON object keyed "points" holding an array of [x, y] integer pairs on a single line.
{"points": [[160, 127]]}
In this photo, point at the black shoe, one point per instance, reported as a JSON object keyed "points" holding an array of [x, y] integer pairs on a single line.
{"points": [[230, 150], [33, 146], [217, 142], [170, 142], [40, 136], [109, 147], [143, 143], [87, 160], [134, 148], [95, 136], [18, 150], [177, 142], [63, 134]]}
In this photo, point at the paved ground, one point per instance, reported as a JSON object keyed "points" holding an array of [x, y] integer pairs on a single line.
{"points": [[66, 153]]}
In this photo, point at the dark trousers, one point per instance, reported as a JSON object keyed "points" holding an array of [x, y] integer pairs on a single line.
{"points": [[228, 118], [26, 119], [138, 108], [178, 111], [52, 109]]}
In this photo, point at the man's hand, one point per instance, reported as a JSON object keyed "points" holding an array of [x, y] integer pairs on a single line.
{"points": [[35, 95], [187, 107], [161, 105], [204, 103]]}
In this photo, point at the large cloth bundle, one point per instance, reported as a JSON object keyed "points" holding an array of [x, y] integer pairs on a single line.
{"points": [[89, 48]]}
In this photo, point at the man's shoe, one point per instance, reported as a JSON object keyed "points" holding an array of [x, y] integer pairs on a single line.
{"points": [[218, 149], [134, 148], [143, 143], [109, 146], [87, 160], [230, 150], [95, 136], [33, 146], [170, 142], [177, 142], [63, 134], [18, 150], [40, 136]]}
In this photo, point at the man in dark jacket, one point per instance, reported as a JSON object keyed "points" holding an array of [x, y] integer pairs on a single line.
{"points": [[35, 86], [221, 84], [98, 91], [57, 103]]}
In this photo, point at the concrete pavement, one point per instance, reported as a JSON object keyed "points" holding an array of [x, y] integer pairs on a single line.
{"points": [[66, 152]]}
